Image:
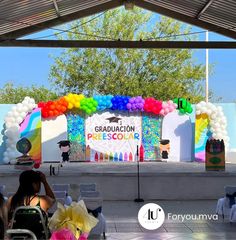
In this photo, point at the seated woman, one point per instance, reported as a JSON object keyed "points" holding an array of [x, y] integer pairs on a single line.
{"points": [[27, 193], [3, 216]]}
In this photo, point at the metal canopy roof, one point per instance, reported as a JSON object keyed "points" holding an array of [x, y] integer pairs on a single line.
{"points": [[21, 17]]}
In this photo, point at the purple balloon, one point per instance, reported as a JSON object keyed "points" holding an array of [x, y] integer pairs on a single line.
{"points": [[131, 100], [129, 106]]}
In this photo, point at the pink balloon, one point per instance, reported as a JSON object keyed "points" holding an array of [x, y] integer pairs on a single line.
{"points": [[162, 112]]}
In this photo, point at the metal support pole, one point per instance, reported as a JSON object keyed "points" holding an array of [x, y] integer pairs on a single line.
{"points": [[138, 199], [207, 70]]}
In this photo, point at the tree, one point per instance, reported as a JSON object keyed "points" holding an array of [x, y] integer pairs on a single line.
{"points": [[10, 94], [161, 73]]}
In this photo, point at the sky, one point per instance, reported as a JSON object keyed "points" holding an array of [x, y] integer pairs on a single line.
{"points": [[27, 66]]}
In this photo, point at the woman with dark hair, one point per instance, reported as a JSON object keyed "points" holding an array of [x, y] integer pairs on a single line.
{"points": [[27, 193], [3, 216]]}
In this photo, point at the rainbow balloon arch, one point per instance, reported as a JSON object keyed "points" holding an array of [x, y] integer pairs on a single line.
{"points": [[17, 119], [116, 103]]}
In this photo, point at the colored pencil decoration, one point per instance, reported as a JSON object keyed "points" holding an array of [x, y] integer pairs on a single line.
{"points": [[126, 157], [101, 157], [96, 157], [111, 157], [106, 157], [92, 154], [115, 157], [87, 153], [130, 157], [120, 157], [141, 153]]}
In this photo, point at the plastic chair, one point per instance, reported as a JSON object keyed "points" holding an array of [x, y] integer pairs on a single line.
{"points": [[87, 187], [30, 218], [223, 204], [61, 187], [232, 214], [19, 234], [2, 189], [60, 194], [93, 200], [63, 198]]}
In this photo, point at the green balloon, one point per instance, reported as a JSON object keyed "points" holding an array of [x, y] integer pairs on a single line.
{"points": [[184, 102]]}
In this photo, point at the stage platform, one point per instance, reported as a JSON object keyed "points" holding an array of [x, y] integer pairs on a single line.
{"points": [[158, 180]]}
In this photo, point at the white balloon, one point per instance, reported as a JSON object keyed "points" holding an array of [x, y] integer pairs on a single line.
{"points": [[198, 112], [13, 161], [14, 108], [32, 101], [27, 98], [5, 154], [6, 160], [19, 119], [19, 105], [209, 112], [9, 114], [25, 108], [15, 114], [23, 114], [19, 109]]}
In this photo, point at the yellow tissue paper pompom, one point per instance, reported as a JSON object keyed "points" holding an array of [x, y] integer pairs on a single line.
{"points": [[74, 217]]}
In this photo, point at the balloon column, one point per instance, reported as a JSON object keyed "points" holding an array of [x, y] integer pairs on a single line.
{"points": [[12, 132], [218, 122]]}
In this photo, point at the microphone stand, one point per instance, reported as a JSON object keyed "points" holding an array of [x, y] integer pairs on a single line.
{"points": [[138, 199]]}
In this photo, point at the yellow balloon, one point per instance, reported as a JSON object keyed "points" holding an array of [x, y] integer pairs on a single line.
{"points": [[77, 104], [70, 105]]}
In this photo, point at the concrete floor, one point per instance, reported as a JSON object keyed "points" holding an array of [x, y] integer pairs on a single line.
{"points": [[122, 222], [121, 216]]}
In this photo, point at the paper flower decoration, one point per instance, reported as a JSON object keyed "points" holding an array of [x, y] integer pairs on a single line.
{"points": [[75, 218]]}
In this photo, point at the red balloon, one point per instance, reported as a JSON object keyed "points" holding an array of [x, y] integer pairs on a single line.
{"points": [[37, 165], [55, 113], [63, 108], [50, 113]]}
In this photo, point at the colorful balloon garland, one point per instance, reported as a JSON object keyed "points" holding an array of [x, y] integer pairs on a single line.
{"points": [[90, 105]]}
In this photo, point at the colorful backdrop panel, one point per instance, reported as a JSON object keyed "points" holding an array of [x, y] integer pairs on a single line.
{"points": [[202, 133], [53, 131], [113, 136], [30, 128], [76, 134], [151, 131]]}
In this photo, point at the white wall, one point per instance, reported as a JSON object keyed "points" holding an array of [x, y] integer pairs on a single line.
{"points": [[177, 128], [53, 131]]}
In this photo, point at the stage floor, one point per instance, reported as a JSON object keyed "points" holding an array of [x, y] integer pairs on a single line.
{"points": [[118, 181], [127, 168]]}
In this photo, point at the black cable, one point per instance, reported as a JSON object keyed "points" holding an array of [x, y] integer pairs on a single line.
{"points": [[57, 29], [62, 31], [176, 35]]}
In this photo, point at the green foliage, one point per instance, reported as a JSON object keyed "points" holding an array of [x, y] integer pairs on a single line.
{"points": [[161, 73], [10, 94]]}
